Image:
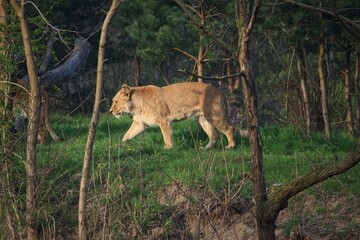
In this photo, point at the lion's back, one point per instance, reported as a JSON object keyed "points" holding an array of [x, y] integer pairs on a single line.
{"points": [[192, 98], [179, 101]]}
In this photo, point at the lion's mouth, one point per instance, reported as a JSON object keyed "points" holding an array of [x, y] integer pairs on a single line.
{"points": [[117, 114]]}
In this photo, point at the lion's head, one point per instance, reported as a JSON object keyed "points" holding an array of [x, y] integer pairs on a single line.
{"points": [[121, 103]]}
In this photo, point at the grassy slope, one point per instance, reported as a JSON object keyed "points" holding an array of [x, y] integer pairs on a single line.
{"points": [[126, 177]]}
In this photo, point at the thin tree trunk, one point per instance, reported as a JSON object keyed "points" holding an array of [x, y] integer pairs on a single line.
{"points": [[246, 16], [230, 80], [200, 66], [6, 123], [82, 217], [34, 100], [347, 94], [237, 83], [200, 21], [5, 88], [164, 73], [356, 92], [278, 196], [137, 70], [322, 78], [303, 82]]}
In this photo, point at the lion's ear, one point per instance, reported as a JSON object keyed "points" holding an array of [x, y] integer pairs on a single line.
{"points": [[127, 91]]}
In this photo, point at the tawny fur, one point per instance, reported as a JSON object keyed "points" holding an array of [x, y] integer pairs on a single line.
{"points": [[160, 106]]}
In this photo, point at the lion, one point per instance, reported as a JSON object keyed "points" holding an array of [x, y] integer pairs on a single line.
{"points": [[160, 106], [21, 101]]}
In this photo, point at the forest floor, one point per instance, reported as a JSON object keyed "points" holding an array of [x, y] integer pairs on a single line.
{"points": [[312, 215], [139, 190]]}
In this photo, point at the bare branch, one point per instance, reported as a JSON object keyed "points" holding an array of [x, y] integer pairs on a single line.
{"points": [[344, 19], [242, 73], [283, 192], [253, 17], [49, 24], [185, 53], [342, 22]]}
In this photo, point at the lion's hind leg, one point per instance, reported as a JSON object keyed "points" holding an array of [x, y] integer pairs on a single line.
{"points": [[228, 130], [220, 122], [210, 130]]}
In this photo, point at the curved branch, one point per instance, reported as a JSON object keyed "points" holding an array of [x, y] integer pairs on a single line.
{"points": [[254, 15], [342, 22], [185, 53], [346, 20], [283, 192]]}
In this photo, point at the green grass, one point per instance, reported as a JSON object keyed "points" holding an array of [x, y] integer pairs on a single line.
{"points": [[128, 177]]}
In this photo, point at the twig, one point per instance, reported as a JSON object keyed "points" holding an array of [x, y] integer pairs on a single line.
{"points": [[241, 73]]}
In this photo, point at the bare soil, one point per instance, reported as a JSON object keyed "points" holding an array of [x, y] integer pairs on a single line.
{"points": [[207, 215]]}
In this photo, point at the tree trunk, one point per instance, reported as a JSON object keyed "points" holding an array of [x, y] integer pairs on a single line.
{"points": [[278, 196], [200, 66], [356, 92], [199, 61], [303, 82], [347, 94], [246, 16], [322, 79], [34, 100], [5, 89], [230, 80], [6, 123], [164, 73], [137, 70], [82, 217]]}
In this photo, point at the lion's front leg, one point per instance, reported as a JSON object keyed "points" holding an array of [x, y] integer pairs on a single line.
{"points": [[166, 131], [134, 130]]}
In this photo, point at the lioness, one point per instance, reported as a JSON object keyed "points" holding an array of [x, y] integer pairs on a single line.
{"points": [[151, 106], [21, 101]]}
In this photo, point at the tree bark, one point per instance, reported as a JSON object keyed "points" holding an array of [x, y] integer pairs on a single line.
{"points": [[347, 93], [34, 101], [82, 217], [278, 196], [164, 73], [356, 92], [230, 80], [6, 123], [5, 88], [303, 82], [200, 57], [200, 21], [245, 19], [322, 79], [137, 70]]}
